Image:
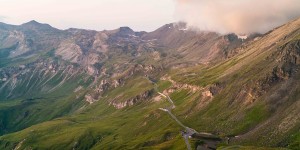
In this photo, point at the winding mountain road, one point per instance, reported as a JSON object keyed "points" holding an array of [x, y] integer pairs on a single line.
{"points": [[189, 132]]}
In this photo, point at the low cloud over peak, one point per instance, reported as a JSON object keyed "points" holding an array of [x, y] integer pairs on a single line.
{"points": [[237, 16]]}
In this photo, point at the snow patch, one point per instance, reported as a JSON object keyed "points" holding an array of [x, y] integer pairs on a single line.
{"points": [[243, 37], [133, 36], [183, 29]]}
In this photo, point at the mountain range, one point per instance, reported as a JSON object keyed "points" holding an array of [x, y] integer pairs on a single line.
{"points": [[112, 89]]}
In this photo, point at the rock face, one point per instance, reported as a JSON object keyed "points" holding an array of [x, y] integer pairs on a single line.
{"points": [[42, 76], [176, 86], [89, 99], [132, 101], [287, 66], [69, 51]]}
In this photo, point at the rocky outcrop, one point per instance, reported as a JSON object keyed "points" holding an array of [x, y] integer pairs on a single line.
{"points": [[207, 93], [69, 51], [176, 86], [215, 88], [289, 53], [287, 58], [89, 98], [132, 101]]}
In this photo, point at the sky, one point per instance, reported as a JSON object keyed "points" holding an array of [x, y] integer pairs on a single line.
{"points": [[223, 16], [140, 15]]}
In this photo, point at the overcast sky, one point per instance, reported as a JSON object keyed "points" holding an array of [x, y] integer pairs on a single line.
{"points": [[90, 14]]}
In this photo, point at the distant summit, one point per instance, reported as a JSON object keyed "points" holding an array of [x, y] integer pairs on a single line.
{"points": [[37, 25], [32, 22], [125, 31]]}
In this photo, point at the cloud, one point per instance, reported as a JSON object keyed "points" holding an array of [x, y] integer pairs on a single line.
{"points": [[237, 16], [2, 18]]}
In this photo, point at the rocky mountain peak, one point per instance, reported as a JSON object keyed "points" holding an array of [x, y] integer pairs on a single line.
{"points": [[36, 25], [125, 31], [32, 23]]}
